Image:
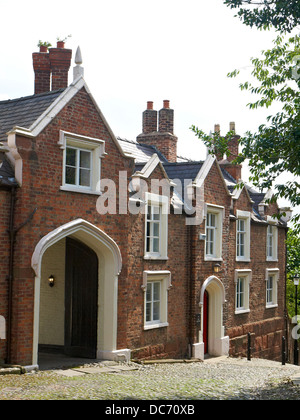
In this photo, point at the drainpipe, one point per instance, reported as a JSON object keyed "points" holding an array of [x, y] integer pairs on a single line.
{"points": [[11, 233], [192, 283]]}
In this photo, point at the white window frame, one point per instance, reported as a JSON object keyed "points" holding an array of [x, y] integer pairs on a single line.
{"points": [[161, 202], [216, 230], [272, 243], [164, 278], [77, 167], [274, 273], [153, 300], [245, 276], [246, 217], [97, 149]]}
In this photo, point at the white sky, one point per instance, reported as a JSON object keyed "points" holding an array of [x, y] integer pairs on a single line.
{"points": [[135, 51]]}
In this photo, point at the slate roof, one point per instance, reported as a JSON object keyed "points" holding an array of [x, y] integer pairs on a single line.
{"points": [[141, 152], [25, 111], [183, 170]]}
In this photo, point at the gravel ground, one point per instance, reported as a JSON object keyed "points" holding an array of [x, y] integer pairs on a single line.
{"points": [[215, 379]]}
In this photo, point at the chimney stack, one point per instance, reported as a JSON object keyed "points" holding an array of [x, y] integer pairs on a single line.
{"points": [[233, 169], [60, 61], [166, 119], [42, 71], [163, 139], [219, 156], [56, 63], [149, 119]]}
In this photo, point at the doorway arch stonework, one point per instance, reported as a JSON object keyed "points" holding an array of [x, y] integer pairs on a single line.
{"points": [[110, 266], [218, 343]]}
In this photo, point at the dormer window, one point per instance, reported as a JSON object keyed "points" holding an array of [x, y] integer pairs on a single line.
{"points": [[81, 163]]}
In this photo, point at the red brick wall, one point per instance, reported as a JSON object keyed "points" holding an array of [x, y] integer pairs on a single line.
{"points": [[4, 260], [42, 178], [265, 324], [171, 341]]}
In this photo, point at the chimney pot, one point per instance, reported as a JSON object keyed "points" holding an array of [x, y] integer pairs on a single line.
{"points": [[149, 105], [166, 104], [217, 128], [232, 126]]}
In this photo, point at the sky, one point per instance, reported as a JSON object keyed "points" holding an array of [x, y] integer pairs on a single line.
{"points": [[136, 51]]}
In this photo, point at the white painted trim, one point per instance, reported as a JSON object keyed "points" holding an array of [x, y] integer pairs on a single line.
{"points": [[41, 123], [149, 167], [116, 355], [110, 262], [165, 278], [244, 215], [69, 229], [159, 275], [18, 161], [218, 343], [211, 280]]}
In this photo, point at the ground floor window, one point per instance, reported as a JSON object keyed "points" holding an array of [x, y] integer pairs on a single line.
{"points": [[272, 278], [242, 286], [156, 285], [153, 301]]}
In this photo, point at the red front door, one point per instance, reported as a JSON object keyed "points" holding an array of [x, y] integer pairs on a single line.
{"points": [[205, 322]]}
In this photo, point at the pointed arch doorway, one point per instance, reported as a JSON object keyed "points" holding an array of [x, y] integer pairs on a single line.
{"points": [[50, 319], [212, 339]]}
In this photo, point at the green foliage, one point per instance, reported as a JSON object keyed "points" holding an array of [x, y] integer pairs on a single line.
{"points": [[275, 148], [44, 44], [293, 267], [283, 15], [214, 141]]}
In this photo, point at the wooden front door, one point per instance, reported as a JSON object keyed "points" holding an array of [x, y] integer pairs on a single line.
{"points": [[205, 322], [81, 300]]}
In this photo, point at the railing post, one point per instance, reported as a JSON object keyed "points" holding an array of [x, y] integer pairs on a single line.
{"points": [[283, 351], [249, 348]]}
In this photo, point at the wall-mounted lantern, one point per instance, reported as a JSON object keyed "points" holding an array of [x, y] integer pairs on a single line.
{"points": [[51, 281], [217, 268]]}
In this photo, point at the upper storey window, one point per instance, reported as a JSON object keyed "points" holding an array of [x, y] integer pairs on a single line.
{"points": [[81, 163]]}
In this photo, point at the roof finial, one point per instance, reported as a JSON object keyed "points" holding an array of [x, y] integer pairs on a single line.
{"points": [[78, 57], [78, 71]]}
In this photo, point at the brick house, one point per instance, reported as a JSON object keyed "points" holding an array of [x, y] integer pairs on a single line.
{"points": [[114, 248]]}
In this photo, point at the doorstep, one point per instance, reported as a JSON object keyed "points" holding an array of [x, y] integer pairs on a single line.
{"points": [[11, 370]]}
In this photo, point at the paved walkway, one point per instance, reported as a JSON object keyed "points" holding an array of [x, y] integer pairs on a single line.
{"points": [[79, 367], [215, 379]]}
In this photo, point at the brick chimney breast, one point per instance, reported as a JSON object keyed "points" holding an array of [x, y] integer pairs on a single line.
{"points": [[60, 62], [42, 71]]}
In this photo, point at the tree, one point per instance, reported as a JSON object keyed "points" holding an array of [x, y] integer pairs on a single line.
{"points": [[293, 267], [283, 15], [275, 148]]}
